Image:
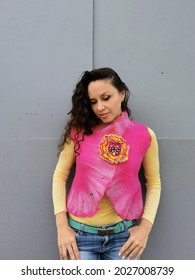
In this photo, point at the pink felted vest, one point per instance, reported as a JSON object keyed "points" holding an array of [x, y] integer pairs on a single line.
{"points": [[109, 161]]}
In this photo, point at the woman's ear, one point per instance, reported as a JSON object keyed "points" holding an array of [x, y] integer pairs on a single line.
{"points": [[123, 93]]}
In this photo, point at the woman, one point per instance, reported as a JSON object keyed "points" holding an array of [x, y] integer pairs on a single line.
{"points": [[103, 216]]}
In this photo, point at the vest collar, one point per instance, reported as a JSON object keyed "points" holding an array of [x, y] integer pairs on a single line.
{"points": [[120, 124]]}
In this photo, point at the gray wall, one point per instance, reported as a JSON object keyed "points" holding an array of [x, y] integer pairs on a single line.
{"points": [[44, 47]]}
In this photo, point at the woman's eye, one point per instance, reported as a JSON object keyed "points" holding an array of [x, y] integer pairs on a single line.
{"points": [[92, 102], [106, 97]]}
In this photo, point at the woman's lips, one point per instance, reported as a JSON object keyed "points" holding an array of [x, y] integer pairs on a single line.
{"points": [[103, 115]]}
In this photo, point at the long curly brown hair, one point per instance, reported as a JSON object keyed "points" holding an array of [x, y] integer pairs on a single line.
{"points": [[82, 117]]}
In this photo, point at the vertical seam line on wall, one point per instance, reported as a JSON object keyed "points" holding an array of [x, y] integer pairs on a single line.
{"points": [[93, 27]]}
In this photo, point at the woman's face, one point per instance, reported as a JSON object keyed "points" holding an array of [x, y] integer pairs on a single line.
{"points": [[105, 100]]}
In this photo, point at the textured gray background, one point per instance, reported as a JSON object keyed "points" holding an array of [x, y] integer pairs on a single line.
{"points": [[44, 47]]}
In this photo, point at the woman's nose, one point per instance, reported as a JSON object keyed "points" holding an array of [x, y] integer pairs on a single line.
{"points": [[100, 106]]}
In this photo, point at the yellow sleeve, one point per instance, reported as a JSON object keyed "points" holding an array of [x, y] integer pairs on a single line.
{"points": [[60, 176], [152, 175]]}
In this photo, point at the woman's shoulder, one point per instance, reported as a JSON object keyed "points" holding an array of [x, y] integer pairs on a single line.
{"points": [[144, 126], [76, 134]]}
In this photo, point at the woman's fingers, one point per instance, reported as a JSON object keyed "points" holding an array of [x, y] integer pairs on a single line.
{"points": [[75, 250], [63, 253], [69, 251]]}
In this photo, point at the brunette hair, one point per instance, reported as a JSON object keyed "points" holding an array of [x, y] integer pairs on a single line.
{"points": [[82, 117]]}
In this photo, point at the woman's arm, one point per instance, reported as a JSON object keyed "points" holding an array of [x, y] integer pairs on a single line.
{"points": [[66, 236], [153, 183], [137, 241]]}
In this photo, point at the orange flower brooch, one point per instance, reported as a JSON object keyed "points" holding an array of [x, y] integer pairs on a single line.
{"points": [[113, 149]]}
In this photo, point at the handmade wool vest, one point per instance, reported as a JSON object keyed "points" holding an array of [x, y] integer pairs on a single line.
{"points": [[109, 161]]}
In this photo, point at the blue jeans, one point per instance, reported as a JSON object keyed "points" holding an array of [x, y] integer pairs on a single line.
{"points": [[95, 247]]}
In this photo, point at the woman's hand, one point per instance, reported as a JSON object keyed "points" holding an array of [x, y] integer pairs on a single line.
{"points": [[136, 244], [67, 243]]}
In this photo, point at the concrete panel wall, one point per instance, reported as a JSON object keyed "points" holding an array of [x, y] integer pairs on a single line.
{"points": [[44, 47], [151, 44]]}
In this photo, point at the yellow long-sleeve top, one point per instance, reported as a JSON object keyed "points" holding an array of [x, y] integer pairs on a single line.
{"points": [[106, 213]]}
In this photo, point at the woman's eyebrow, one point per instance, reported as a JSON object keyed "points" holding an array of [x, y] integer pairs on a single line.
{"points": [[106, 92]]}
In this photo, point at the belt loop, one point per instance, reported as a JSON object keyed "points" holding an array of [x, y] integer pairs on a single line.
{"points": [[82, 227], [125, 224]]}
